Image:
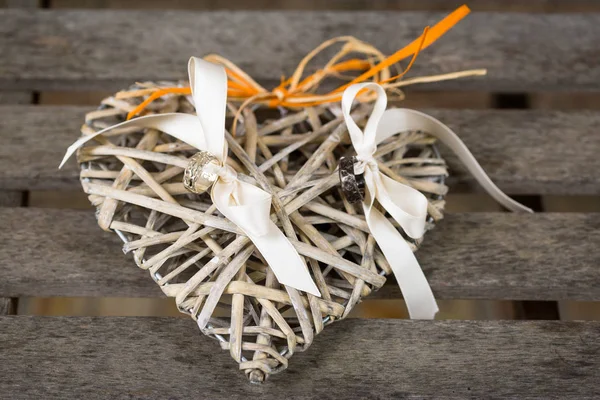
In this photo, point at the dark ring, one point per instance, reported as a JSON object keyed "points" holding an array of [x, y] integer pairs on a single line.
{"points": [[353, 186]]}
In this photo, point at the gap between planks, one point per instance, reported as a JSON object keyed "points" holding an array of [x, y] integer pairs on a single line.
{"points": [[73, 358], [8, 306]]}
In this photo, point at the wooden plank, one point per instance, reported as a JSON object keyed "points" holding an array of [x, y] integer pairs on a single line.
{"points": [[19, 3], [11, 198], [14, 198], [15, 98], [8, 306], [311, 5], [525, 152], [500, 256], [107, 49], [151, 358]]}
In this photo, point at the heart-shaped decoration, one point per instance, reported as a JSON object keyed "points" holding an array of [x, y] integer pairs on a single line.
{"points": [[134, 177], [278, 249]]}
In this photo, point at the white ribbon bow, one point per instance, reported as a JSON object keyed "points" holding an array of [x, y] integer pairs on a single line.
{"points": [[406, 205], [244, 204]]}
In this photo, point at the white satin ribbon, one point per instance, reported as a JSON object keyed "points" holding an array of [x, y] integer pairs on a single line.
{"points": [[246, 205], [406, 205]]}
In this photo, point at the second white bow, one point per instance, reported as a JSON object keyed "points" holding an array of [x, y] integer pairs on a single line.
{"points": [[407, 206]]}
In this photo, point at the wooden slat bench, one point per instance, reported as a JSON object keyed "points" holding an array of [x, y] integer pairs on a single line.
{"points": [[499, 256], [108, 50], [470, 256], [157, 358], [524, 152]]}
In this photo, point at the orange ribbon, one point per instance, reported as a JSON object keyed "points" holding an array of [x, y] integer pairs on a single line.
{"points": [[297, 92]]}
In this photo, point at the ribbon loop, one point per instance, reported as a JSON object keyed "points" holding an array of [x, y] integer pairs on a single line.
{"points": [[208, 83], [364, 141]]}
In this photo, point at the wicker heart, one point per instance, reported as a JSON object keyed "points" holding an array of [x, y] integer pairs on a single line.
{"points": [[134, 178]]}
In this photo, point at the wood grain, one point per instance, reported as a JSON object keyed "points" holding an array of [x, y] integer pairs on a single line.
{"points": [[415, 5], [525, 152], [164, 358], [48, 252], [107, 49], [11, 198], [19, 3], [15, 97]]}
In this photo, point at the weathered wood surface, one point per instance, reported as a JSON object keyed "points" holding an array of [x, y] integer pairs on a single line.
{"points": [[525, 152], [405, 5], [15, 97], [8, 306], [468, 256], [11, 198], [107, 49], [162, 358], [19, 3]]}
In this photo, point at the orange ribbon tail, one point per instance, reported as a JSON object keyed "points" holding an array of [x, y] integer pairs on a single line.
{"points": [[298, 92]]}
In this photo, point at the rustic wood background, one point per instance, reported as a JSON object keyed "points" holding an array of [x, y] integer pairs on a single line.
{"points": [[550, 119], [549, 122], [538, 112]]}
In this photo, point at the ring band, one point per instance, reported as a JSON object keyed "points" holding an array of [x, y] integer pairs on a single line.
{"points": [[353, 186], [196, 177]]}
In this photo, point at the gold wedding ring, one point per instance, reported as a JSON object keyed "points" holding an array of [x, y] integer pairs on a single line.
{"points": [[200, 174]]}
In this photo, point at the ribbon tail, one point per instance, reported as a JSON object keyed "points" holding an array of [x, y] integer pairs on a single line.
{"points": [[249, 208], [413, 284], [405, 204], [401, 119], [284, 260], [184, 127]]}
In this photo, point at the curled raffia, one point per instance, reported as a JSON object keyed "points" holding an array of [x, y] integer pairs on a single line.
{"points": [[297, 92]]}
